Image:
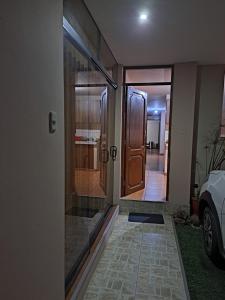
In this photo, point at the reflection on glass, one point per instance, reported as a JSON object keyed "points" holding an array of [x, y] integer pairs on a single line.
{"points": [[86, 110], [79, 17], [91, 141]]}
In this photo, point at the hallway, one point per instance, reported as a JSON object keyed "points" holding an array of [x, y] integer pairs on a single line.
{"points": [[88, 87], [140, 262]]}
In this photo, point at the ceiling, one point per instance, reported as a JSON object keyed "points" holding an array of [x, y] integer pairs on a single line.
{"points": [[175, 31]]}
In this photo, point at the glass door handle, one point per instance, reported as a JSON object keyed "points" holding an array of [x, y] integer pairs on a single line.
{"points": [[113, 152]]}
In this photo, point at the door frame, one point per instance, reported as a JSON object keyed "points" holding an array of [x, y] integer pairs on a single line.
{"points": [[124, 117]]}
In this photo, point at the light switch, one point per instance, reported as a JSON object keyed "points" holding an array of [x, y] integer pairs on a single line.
{"points": [[52, 121]]}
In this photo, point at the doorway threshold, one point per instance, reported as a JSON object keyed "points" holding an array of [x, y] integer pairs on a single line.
{"points": [[132, 197], [137, 206]]}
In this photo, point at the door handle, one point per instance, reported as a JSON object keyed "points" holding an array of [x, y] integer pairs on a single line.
{"points": [[113, 152]]}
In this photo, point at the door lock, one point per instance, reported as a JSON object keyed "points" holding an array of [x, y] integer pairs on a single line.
{"points": [[113, 152], [52, 121]]}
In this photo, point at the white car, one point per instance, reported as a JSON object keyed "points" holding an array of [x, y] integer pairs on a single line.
{"points": [[212, 215]]}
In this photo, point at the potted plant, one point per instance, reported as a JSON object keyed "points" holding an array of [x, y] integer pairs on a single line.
{"points": [[195, 200], [214, 160]]}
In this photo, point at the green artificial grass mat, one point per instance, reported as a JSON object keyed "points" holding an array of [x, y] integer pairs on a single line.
{"points": [[205, 281]]}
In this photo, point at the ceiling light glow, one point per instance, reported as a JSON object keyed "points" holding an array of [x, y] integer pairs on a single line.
{"points": [[143, 17]]}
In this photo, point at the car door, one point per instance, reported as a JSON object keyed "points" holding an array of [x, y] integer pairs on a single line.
{"points": [[217, 191]]}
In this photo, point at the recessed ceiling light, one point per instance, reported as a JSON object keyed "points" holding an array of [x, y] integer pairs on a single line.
{"points": [[143, 17]]}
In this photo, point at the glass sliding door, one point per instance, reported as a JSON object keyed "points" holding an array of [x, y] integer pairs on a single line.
{"points": [[87, 135]]}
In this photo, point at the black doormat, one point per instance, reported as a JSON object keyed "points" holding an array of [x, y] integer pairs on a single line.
{"points": [[82, 212], [146, 218]]}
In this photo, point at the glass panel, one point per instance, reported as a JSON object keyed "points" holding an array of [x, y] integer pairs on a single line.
{"points": [[106, 57], [81, 20], [86, 126], [148, 75], [76, 229]]}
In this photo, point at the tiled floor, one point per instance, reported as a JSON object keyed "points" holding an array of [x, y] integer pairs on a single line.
{"points": [[140, 262], [154, 161]]}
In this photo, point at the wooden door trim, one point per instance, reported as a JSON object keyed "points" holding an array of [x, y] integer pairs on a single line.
{"points": [[123, 142], [169, 139], [148, 67]]}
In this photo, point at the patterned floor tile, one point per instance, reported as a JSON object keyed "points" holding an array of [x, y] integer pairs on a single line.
{"points": [[140, 262]]}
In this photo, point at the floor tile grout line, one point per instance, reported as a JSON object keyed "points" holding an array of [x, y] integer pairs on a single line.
{"points": [[139, 261]]}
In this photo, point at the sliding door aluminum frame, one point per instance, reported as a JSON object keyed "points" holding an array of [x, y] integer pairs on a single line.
{"points": [[77, 41], [90, 85], [147, 83]]}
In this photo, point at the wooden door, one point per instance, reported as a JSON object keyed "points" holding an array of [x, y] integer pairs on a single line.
{"points": [[135, 139], [104, 154]]}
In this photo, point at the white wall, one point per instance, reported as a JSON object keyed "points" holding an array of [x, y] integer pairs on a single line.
{"points": [[31, 160], [210, 112], [183, 108], [162, 132], [153, 131]]}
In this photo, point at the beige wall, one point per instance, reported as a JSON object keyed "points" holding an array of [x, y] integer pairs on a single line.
{"points": [[31, 160], [153, 127], [210, 112], [162, 133], [183, 108]]}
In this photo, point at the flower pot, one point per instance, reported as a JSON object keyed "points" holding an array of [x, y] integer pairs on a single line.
{"points": [[194, 206]]}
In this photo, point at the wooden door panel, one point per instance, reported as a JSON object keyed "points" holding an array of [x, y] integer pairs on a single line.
{"points": [[135, 166], [135, 140], [136, 121]]}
